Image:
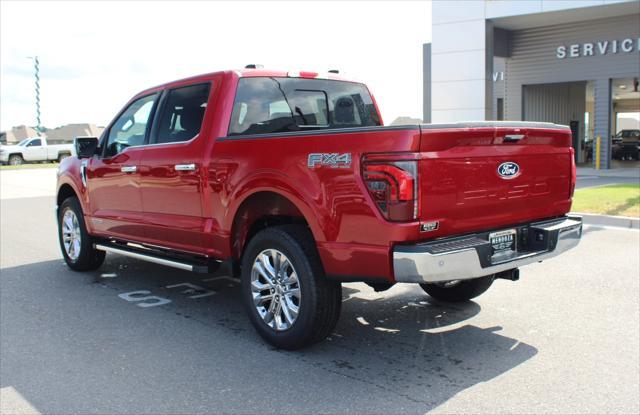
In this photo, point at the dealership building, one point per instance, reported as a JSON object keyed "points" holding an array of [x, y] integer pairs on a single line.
{"points": [[569, 62]]}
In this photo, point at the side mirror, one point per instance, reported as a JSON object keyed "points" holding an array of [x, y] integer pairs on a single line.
{"points": [[85, 146]]}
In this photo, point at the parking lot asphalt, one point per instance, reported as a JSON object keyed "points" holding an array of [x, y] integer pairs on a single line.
{"points": [[563, 339], [21, 183]]}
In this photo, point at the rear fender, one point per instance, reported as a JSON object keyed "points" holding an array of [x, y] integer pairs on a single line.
{"points": [[277, 184]]}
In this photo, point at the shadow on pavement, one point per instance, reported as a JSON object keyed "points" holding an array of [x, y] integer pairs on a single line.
{"points": [[397, 342]]}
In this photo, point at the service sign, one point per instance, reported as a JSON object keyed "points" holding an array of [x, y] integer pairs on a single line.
{"points": [[599, 48]]}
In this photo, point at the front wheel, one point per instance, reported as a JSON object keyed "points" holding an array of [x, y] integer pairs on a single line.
{"points": [[75, 242], [289, 300], [458, 290], [16, 160]]}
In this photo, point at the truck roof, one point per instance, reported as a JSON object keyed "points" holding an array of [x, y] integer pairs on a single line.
{"points": [[251, 73]]}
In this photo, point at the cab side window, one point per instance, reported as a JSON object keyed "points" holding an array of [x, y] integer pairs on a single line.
{"points": [[131, 127], [266, 105], [35, 143], [181, 114]]}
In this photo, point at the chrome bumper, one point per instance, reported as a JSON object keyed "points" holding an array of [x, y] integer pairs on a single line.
{"points": [[469, 256]]}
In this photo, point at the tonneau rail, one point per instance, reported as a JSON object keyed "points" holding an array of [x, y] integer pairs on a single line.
{"points": [[495, 124]]}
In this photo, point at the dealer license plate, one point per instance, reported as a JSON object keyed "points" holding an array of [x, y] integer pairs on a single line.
{"points": [[503, 245]]}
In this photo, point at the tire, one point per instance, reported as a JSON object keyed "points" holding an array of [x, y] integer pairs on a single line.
{"points": [[463, 290], [62, 157], [16, 160], [319, 299], [72, 229]]}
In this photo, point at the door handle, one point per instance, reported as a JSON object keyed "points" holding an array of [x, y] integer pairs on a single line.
{"points": [[511, 138], [185, 167], [128, 169]]}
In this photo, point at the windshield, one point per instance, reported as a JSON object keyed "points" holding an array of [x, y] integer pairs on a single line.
{"points": [[24, 142], [628, 134], [269, 105]]}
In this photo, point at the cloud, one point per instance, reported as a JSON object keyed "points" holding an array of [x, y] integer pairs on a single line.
{"points": [[95, 55], [18, 71]]}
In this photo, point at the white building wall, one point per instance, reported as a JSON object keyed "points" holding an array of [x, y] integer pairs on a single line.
{"points": [[505, 8], [458, 61], [461, 64]]}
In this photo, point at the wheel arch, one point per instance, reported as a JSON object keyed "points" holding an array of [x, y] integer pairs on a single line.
{"points": [[64, 192], [259, 210]]}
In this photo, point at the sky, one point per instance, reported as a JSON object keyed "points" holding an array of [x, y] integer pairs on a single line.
{"points": [[94, 56]]}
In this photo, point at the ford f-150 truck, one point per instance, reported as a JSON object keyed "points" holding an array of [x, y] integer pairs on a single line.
{"points": [[34, 150], [290, 182]]}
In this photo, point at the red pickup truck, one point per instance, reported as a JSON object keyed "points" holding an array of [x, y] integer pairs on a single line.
{"points": [[290, 182]]}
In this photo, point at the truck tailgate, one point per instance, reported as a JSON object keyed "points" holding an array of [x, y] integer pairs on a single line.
{"points": [[492, 175]]}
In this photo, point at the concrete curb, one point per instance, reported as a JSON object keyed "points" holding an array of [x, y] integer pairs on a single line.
{"points": [[605, 220], [630, 172]]}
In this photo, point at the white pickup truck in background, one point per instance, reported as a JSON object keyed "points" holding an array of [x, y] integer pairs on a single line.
{"points": [[34, 149]]}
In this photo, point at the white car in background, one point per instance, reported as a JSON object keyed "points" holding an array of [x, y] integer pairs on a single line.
{"points": [[34, 149]]}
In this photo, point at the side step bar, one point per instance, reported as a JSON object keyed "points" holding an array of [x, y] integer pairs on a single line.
{"points": [[198, 267]]}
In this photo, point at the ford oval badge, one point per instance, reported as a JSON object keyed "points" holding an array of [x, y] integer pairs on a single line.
{"points": [[508, 170]]}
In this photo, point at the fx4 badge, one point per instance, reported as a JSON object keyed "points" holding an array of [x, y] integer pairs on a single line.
{"points": [[333, 160]]}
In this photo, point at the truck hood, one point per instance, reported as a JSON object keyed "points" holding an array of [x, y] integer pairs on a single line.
{"points": [[10, 148]]}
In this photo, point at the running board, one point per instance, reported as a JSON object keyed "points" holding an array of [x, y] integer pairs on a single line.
{"points": [[200, 267]]}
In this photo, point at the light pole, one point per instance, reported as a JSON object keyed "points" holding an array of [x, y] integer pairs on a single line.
{"points": [[36, 64]]}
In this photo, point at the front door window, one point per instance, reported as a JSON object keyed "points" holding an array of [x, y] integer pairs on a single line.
{"points": [[130, 128]]}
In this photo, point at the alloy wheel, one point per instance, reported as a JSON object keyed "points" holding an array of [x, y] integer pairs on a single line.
{"points": [[71, 237], [275, 289]]}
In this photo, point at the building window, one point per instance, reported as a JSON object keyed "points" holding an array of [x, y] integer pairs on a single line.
{"points": [[500, 109]]}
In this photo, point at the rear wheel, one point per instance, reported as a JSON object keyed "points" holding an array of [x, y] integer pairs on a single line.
{"points": [[63, 156], [76, 244], [287, 296], [16, 160], [458, 290]]}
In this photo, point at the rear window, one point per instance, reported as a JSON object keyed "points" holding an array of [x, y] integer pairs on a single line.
{"points": [[182, 114], [273, 105]]}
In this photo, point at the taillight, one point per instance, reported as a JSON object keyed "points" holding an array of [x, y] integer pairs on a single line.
{"points": [[302, 74], [307, 74], [572, 187], [393, 186]]}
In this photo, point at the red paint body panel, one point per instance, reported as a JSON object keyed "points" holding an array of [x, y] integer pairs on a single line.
{"points": [[195, 211], [115, 206], [334, 201], [463, 191], [172, 200]]}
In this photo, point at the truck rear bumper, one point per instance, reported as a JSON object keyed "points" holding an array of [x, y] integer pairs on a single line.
{"points": [[470, 256]]}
